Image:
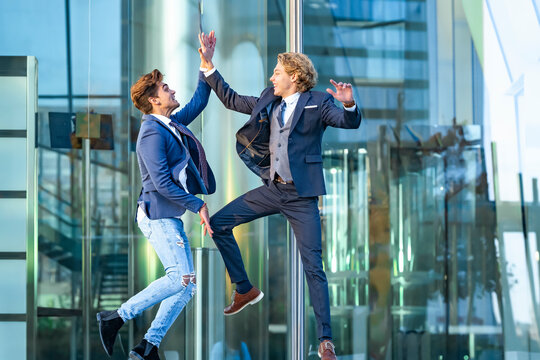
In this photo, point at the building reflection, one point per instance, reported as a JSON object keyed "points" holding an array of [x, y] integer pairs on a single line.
{"points": [[430, 222]]}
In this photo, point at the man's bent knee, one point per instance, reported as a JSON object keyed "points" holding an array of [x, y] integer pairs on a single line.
{"points": [[180, 281], [218, 227]]}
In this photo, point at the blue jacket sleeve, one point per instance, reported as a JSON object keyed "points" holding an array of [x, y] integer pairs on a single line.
{"points": [[152, 149], [196, 105], [340, 118], [230, 98]]}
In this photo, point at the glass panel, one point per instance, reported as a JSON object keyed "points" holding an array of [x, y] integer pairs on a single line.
{"points": [[38, 29], [13, 162], [249, 38], [335, 52], [435, 80], [13, 343], [430, 225], [60, 195], [344, 217], [13, 224], [13, 283], [96, 47], [13, 95], [65, 331]]}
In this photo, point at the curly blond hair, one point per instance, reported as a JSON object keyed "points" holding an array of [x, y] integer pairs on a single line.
{"points": [[301, 65]]}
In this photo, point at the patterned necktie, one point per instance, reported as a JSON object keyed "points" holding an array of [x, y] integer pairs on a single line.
{"points": [[203, 165], [281, 113]]}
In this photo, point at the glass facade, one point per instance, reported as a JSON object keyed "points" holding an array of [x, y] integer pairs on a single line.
{"points": [[430, 225]]}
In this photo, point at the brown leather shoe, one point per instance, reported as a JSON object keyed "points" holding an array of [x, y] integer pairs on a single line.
{"points": [[240, 301], [326, 350]]}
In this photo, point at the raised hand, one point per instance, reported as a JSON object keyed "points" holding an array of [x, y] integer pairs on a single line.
{"points": [[206, 51], [343, 92]]}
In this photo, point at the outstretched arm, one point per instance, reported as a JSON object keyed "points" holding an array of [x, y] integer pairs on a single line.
{"points": [[230, 98], [200, 98], [195, 106]]}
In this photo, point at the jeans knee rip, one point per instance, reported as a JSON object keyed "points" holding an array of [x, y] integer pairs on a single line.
{"points": [[185, 280], [180, 241]]}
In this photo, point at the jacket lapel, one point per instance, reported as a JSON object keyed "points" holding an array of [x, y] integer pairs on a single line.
{"points": [[299, 109], [264, 102], [175, 137]]}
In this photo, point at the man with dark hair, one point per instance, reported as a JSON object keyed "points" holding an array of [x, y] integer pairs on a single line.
{"points": [[173, 169], [281, 143]]}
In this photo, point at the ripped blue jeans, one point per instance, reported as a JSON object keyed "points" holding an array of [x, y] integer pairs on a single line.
{"points": [[176, 288]]}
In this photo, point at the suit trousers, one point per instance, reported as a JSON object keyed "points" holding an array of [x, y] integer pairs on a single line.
{"points": [[303, 215]]}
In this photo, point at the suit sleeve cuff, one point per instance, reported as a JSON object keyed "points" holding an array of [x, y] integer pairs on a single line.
{"points": [[207, 73], [196, 205]]}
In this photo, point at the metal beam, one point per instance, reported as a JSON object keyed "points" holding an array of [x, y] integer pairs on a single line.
{"points": [[296, 270]]}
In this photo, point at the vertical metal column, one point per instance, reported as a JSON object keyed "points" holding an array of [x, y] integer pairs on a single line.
{"points": [[86, 250], [32, 206], [296, 270]]}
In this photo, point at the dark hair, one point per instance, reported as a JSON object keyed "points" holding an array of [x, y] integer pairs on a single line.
{"points": [[144, 88]]}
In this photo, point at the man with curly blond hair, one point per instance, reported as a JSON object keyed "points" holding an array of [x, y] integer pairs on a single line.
{"points": [[281, 143]]}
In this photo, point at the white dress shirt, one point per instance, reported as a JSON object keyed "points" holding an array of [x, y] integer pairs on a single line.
{"points": [[290, 102]]}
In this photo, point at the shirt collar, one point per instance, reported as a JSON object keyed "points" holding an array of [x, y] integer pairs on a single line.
{"points": [[163, 119], [291, 99]]}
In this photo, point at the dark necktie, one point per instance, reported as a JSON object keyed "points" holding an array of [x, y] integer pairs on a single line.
{"points": [[203, 165], [281, 112]]}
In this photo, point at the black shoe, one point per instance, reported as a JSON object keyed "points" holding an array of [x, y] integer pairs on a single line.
{"points": [[109, 324], [144, 351]]}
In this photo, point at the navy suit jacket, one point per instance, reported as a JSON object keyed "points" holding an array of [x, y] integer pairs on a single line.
{"points": [[314, 112], [162, 156]]}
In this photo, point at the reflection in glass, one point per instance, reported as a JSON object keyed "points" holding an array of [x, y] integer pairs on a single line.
{"points": [[344, 218], [430, 225]]}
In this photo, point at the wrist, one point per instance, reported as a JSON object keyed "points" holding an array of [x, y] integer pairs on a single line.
{"points": [[203, 207], [349, 104]]}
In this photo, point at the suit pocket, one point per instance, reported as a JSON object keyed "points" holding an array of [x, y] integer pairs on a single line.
{"points": [[314, 158]]}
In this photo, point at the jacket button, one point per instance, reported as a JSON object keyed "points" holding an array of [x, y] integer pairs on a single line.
{"points": [[277, 159], [278, 145]]}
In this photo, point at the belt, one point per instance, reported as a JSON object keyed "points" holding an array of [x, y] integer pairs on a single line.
{"points": [[278, 179]]}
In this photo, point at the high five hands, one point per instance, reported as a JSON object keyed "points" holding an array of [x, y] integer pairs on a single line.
{"points": [[343, 93], [206, 51]]}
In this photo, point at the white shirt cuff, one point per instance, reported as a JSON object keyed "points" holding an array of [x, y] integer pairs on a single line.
{"points": [[206, 72], [352, 108]]}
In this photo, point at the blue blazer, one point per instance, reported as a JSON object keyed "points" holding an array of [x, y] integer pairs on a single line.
{"points": [[162, 156], [314, 112]]}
